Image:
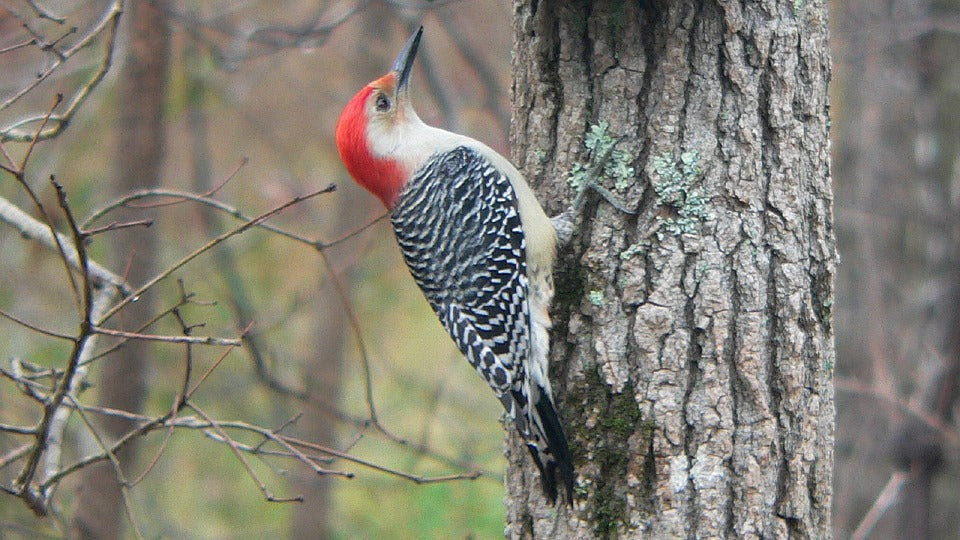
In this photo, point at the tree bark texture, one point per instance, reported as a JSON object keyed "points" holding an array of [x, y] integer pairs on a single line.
{"points": [[692, 348], [138, 160]]}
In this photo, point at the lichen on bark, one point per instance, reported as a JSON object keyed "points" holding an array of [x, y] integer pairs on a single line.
{"points": [[692, 350]]}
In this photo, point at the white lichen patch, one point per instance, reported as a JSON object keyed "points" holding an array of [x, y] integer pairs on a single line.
{"points": [[677, 184], [612, 162], [679, 473]]}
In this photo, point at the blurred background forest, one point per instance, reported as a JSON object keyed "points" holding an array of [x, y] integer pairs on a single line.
{"points": [[235, 103]]}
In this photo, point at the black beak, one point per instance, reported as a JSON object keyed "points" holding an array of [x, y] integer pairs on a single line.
{"points": [[404, 63]]}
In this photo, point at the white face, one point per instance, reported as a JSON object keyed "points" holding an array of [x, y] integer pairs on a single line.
{"points": [[395, 131], [387, 120]]}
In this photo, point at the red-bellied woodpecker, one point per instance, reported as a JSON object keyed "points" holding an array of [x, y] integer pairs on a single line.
{"points": [[477, 243]]}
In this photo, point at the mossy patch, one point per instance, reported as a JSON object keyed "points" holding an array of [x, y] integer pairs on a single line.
{"points": [[569, 284], [606, 443]]}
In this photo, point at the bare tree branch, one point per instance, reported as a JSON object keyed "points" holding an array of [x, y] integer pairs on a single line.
{"points": [[203, 249], [32, 229], [107, 25], [195, 340]]}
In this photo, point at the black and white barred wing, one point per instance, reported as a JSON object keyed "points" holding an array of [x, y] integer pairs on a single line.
{"points": [[458, 226]]}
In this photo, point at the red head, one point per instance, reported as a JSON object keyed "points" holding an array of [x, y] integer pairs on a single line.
{"points": [[371, 128]]}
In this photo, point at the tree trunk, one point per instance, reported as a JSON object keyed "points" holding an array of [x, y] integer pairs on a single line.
{"points": [[693, 342], [122, 383], [324, 380]]}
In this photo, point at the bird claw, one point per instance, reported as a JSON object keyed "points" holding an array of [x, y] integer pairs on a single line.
{"points": [[563, 223]]}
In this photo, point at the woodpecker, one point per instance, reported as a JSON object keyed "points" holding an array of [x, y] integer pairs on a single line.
{"points": [[477, 243]]}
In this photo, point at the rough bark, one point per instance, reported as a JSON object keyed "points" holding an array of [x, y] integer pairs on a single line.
{"points": [[693, 342], [122, 383]]}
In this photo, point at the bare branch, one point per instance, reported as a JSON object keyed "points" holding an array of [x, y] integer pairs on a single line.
{"points": [[199, 251], [184, 300], [43, 13], [60, 417], [111, 455], [883, 502], [17, 430], [186, 196], [351, 234], [243, 460], [14, 455], [194, 340], [946, 430], [269, 38], [35, 328], [32, 229], [108, 22], [361, 348], [27, 43], [117, 226]]}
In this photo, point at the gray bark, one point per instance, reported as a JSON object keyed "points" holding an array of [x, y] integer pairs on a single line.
{"points": [[693, 343]]}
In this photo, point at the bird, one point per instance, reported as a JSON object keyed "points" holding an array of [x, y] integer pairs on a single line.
{"points": [[477, 243]]}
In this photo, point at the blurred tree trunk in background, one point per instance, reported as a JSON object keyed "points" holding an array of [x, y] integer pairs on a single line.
{"points": [[324, 374], [693, 343], [138, 159], [898, 134], [324, 368]]}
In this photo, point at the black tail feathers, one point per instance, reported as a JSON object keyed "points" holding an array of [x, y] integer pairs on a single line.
{"points": [[554, 460]]}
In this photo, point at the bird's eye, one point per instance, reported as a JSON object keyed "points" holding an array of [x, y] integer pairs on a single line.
{"points": [[383, 103]]}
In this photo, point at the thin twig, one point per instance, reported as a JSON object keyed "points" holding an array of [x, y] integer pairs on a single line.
{"points": [[273, 436], [214, 366], [24, 483], [417, 479], [111, 456], [351, 234], [29, 42], [186, 196], [59, 423], [117, 226], [287, 423], [34, 327], [44, 14], [943, 428], [204, 248], [80, 243], [313, 31], [189, 422], [195, 340], [361, 347], [13, 455], [243, 459], [108, 22], [205, 195], [17, 430], [887, 496], [20, 175], [177, 405], [153, 320]]}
